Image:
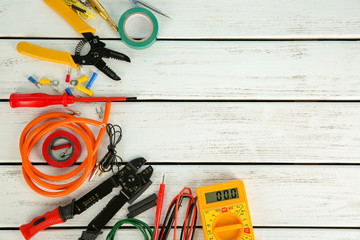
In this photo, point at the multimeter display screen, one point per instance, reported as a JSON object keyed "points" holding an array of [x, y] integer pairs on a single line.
{"points": [[221, 195]]}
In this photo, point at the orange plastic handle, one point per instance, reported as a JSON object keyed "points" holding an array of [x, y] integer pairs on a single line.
{"points": [[70, 16], [228, 228], [46, 54]]}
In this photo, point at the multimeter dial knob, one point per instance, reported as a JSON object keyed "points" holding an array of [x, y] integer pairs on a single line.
{"points": [[228, 226]]}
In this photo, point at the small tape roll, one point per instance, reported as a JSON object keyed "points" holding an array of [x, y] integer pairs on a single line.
{"points": [[142, 43], [49, 146]]}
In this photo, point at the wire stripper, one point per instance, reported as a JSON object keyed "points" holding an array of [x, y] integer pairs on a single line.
{"points": [[93, 57], [132, 184]]}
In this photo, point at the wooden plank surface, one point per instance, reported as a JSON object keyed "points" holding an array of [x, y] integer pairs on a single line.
{"points": [[215, 132], [260, 234], [243, 19], [207, 52], [204, 70], [292, 196]]}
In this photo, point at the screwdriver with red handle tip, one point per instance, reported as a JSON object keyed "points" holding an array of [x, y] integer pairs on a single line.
{"points": [[39, 100], [160, 200]]}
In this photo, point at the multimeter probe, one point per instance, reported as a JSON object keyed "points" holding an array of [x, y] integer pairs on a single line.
{"points": [[171, 217]]}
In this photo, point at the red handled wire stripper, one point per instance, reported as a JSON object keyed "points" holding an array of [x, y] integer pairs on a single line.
{"points": [[93, 57], [132, 184]]}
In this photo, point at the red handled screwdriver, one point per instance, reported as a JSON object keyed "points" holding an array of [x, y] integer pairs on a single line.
{"points": [[38, 100], [160, 200]]}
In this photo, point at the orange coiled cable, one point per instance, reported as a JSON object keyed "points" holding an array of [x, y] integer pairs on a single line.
{"points": [[36, 179]]}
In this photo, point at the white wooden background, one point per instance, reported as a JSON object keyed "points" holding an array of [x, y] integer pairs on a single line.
{"points": [[264, 91]]}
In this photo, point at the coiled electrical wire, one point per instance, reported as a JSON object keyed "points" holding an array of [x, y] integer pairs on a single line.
{"points": [[43, 183], [111, 158], [142, 226]]}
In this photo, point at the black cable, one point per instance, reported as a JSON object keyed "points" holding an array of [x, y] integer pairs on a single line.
{"points": [[170, 218], [192, 209], [111, 158]]}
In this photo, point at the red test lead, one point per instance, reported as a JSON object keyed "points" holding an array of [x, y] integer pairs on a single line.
{"points": [[42, 100], [160, 200]]}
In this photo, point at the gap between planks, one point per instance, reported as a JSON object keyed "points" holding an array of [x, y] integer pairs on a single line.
{"points": [[279, 196]]}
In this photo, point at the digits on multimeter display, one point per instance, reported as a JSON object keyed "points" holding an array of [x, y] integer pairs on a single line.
{"points": [[221, 195]]}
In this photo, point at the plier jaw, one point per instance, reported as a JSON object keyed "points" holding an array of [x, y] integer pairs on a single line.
{"points": [[96, 53], [131, 181], [133, 185]]}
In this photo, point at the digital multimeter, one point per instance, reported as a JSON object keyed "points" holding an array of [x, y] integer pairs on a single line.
{"points": [[224, 212]]}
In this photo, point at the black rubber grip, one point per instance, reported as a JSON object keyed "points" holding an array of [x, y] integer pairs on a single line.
{"points": [[67, 212], [142, 202], [90, 235], [142, 209]]}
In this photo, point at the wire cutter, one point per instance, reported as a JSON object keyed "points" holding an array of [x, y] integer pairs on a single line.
{"points": [[132, 184], [93, 57]]}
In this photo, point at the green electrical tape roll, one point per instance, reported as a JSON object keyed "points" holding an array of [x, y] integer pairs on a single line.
{"points": [[142, 43]]}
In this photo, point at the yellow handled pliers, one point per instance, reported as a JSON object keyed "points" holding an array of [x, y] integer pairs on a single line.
{"points": [[93, 57]]}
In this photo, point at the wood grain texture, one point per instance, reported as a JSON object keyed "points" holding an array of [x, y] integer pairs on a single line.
{"points": [[260, 234], [308, 196], [204, 70], [215, 132], [242, 19], [226, 66]]}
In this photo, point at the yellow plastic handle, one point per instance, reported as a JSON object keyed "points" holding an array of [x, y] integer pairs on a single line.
{"points": [[46, 54], [70, 16]]}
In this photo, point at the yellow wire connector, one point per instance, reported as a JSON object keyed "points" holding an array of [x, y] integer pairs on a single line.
{"points": [[45, 81], [84, 90]]}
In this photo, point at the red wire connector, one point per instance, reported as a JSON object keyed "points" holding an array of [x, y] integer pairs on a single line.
{"points": [[67, 79]]}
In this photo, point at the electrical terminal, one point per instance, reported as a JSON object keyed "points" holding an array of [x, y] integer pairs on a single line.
{"points": [[36, 83]]}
